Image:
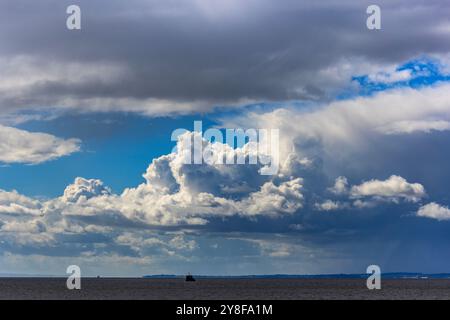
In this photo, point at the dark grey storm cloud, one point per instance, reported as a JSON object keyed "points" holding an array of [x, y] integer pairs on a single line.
{"points": [[181, 56]]}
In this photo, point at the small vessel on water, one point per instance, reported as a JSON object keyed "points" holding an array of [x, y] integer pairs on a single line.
{"points": [[189, 277]]}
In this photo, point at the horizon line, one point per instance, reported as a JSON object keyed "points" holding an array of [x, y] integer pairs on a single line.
{"points": [[398, 274]]}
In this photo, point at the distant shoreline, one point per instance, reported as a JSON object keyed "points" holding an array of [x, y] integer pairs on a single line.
{"points": [[389, 275]]}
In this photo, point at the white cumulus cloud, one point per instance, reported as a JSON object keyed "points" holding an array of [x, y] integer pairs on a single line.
{"points": [[434, 211], [20, 146], [87, 188], [174, 194], [340, 186], [328, 205], [393, 188]]}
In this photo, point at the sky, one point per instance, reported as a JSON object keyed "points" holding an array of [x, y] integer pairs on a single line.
{"points": [[90, 173]]}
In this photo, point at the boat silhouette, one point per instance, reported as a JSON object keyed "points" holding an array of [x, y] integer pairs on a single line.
{"points": [[189, 277]]}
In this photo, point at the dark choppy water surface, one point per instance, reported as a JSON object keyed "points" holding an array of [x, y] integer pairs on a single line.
{"points": [[222, 289]]}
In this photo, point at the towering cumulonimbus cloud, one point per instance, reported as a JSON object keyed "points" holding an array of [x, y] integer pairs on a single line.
{"points": [[168, 197], [89, 220]]}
